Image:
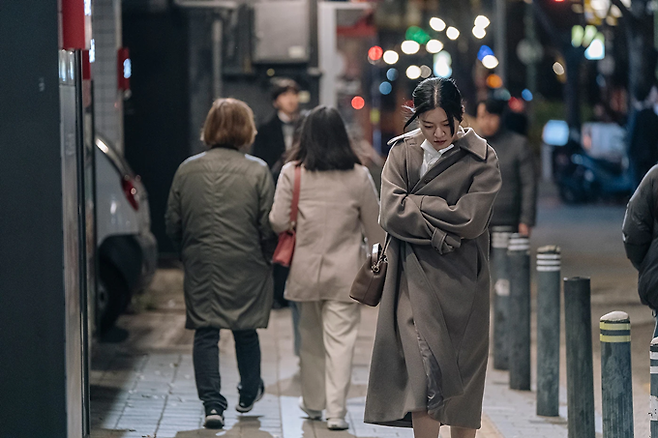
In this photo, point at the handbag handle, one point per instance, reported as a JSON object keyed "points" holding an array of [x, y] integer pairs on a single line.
{"points": [[376, 264], [294, 206]]}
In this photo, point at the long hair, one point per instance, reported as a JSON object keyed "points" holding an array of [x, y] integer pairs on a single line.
{"points": [[324, 144], [435, 93]]}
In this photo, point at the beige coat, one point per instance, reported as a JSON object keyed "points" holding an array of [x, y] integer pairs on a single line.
{"points": [[336, 210], [431, 345]]}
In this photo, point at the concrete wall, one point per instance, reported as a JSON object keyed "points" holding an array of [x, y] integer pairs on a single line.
{"points": [[32, 326]]}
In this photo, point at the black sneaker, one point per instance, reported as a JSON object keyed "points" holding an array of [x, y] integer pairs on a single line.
{"points": [[247, 404], [214, 418]]}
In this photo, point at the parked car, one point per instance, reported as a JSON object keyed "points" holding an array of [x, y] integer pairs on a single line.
{"points": [[127, 250], [588, 165]]}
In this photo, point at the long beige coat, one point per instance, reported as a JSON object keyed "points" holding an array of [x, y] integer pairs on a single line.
{"points": [[336, 210], [432, 340]]}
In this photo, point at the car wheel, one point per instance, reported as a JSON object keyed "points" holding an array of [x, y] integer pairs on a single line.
{"points": [[112, 296]]}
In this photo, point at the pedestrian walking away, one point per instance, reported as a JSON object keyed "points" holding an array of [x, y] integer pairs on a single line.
{"points": [[218, 215], [516, 203], [640, 234], [337, 208], [431, 347], [273, 142]]}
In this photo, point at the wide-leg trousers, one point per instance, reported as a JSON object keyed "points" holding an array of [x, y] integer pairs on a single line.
{"points": [[328, 332]]}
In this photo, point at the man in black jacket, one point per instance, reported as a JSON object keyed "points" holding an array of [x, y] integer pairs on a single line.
{"points": [[516, 204], [274, 137], [273, 140]]}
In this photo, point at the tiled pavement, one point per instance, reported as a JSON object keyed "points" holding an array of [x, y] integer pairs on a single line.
{"points": [[144, 387]]}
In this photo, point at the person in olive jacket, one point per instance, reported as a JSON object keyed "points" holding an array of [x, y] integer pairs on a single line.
{"points": [[640, 234], [217, 214], [516, 204]]}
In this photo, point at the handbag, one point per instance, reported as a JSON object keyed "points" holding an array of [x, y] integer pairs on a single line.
{"points": [[286, 245], [368, 285]]}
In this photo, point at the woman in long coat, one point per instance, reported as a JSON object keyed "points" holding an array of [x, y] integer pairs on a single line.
{"points": [[217, 214], [431, 347]]}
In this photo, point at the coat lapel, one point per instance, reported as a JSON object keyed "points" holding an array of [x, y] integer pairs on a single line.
{"points": [[414, 161], [446, 161]]}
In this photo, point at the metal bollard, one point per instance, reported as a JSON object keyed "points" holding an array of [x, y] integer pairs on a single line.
{"points": [[616, 375], [500, 281], [580, 373], [518, 327], [548, 331], [653, 400]]}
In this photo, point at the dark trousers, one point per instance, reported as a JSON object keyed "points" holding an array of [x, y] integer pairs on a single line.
{"points": [[280, 276], [205, 355]]}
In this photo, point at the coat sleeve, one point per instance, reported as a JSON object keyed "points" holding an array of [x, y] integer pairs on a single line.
{"points": [[400, 216], [369, 210], [528, 180], [637, 229], [470, 216], [266, 197], [173, 221], [280, 214]]}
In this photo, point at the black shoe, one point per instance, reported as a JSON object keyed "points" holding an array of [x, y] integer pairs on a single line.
{"points": [[214, 418], [246, 404]]}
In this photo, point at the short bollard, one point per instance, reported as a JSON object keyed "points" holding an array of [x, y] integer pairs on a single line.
{"points": [[616, 375], [548, 331], [518, 327], [500, 281], [653, 401], [580, 373]]}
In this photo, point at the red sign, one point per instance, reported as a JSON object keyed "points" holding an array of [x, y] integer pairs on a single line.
{"points": [[124, 69], [76, 24]]}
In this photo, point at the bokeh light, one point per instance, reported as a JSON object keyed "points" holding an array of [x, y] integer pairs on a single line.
{"points": [[392, 74], [375, 53], [413, 72], [391, 57], [437, 24], [434, 46], [358, 102], [385, 88], [410, 47]]}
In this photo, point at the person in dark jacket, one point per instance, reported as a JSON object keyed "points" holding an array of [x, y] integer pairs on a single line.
{"points": [[218, 214], [516, 204], [275, 137], [640, 234]]}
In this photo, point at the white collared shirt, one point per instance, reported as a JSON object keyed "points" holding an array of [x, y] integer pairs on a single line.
{"points": [[431, 156]]}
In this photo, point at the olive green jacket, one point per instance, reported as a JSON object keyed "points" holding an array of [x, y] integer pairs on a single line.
{"points": [[218, 216]]}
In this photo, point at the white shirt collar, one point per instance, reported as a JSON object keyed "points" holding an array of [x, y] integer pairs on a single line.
{"points": [[431, 156], [433, 153]]}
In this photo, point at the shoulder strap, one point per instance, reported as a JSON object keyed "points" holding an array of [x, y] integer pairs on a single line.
{"points": [[294, 206]]}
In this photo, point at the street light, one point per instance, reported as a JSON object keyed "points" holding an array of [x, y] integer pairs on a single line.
{"points": [[482, 21], [490, 62], [558, 68], [413, 72], [437, 24], [479, 32], [434, 46], [452, 33], [410, 47], [391, 57]]}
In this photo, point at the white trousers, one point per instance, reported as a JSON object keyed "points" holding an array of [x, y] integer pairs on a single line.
{"points": [[328, 332]]}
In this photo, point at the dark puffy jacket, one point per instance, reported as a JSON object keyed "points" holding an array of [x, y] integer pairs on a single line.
{"points": [[517, 200], [640, 232]]}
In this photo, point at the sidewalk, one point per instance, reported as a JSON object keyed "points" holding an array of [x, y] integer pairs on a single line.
{"points": [[144, 387]]}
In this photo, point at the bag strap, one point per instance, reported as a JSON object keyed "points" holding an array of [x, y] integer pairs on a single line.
{"points": [[294, 206]]}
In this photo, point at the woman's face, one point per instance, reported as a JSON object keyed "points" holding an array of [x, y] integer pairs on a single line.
{"points": [[435, 126]]}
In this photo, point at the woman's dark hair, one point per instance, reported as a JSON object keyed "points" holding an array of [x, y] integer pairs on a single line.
{"points": [[324, 144], [435, 93]]}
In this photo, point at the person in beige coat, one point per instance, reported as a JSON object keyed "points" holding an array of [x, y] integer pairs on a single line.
{"points": [[338, 207], [431, 346]]}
